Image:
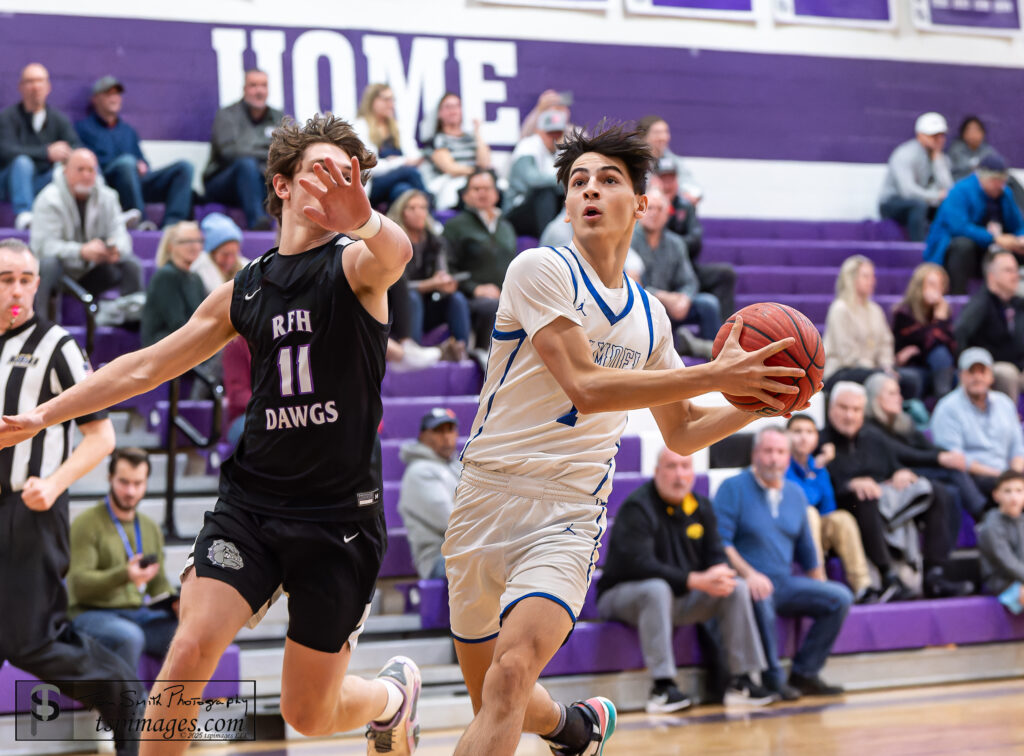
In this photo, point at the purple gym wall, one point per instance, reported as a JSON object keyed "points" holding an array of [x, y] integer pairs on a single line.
{"points": [[720, 104]]}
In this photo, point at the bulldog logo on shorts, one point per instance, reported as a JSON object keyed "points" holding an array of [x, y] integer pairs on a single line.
{"points": [[224, 554]]}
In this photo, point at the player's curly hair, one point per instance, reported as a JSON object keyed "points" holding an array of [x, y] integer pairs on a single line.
{"points": [[613, 140], [289, 143]]}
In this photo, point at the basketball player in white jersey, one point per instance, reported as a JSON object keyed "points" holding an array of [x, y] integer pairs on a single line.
{"points": [[576, 344]]}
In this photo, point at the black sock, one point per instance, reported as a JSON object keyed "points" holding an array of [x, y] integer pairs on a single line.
{"points": [[575, 732], [663, 683]]}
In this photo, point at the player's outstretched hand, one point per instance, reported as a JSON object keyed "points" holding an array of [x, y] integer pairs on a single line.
{"points": [[16, 428], [743, 373], [344, 205]]}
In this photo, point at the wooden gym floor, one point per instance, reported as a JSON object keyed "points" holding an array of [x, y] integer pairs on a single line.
{"points": [[976, 718]]}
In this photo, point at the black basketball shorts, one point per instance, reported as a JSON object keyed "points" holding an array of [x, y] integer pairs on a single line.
{"points": [[328, 569]]}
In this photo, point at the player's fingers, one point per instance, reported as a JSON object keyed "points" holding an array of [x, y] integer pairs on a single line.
{"points": [[313, 187], [775, 347], [326, 177], [737, 327], [768, 399], [778, 371], [315, 214], [335, 170], [781, 388], [355, 170], [13, 422]]}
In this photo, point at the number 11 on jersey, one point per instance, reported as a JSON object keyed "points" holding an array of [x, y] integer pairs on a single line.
{"points": [[286, 368]]}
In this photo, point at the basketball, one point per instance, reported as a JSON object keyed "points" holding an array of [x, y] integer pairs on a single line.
{"points": [[767, 322]]}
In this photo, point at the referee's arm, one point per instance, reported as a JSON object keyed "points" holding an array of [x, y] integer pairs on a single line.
{"points": [[98, 441]]}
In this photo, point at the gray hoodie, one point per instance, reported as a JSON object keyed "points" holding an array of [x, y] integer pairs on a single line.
{"points": [[425, 501], [57, 225], [1001, 543]]}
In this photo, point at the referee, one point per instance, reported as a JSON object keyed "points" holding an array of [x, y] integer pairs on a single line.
{"points": [[37, 361]]}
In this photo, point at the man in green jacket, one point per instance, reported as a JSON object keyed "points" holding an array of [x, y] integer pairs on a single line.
{"points": [[116, 578], [483, 244]]}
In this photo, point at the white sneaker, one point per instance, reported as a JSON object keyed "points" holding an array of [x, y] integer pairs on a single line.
{"points": [[23, 220], [745, 692], [131, 217], [416, 357], [666, 701], [401, 735]]}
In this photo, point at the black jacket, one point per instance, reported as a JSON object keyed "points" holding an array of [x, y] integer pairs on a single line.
{"points": [[647, 541], [983, 323], [912, 449], [869, 454], [17, 137]]}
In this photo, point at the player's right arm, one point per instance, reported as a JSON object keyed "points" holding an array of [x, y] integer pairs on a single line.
{"points": [[205, 334], [566, 353]]}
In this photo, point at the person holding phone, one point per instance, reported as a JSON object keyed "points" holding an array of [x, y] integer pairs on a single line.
{"points": [[117, 589]]}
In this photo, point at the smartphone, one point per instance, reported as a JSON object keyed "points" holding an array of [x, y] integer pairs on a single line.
{"points": [[148, 559]]}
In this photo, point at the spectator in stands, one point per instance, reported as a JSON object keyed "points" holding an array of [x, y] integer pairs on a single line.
{"points": [[35, 634], [718, 279], [1001, 542], [993, 319], [858, 341], [922, 330], [979, 214], [887, 499], [117, 567], [980, 423], [454, 152], [435, 295], [78, 231], [666, 568], [534, 196], [33, 138], [549, 99], [125, 168], [658, 138], [174, 292], [669, 276], [916, 451], [763, 522], [239, 145], [832, 529], [432, 471], [970, 146], [483, 244], [918, 177], [237, 366], [222, 245], [397, 167]]}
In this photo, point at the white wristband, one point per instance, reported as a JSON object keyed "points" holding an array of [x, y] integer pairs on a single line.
{"points": [[371, 228]]}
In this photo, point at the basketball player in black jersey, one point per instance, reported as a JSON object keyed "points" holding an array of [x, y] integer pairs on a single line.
{"points": [[298, 505]]}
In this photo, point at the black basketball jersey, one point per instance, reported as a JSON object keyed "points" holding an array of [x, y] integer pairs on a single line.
{"points": [[317, 365]]}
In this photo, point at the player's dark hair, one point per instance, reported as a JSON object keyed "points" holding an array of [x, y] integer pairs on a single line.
{"points": [[289, 144], [797, 418], [130, 454], [610, 140], [1006, 476]]}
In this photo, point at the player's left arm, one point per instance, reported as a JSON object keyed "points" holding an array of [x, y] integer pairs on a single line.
{"points": [[97, 442], [383, 249]]}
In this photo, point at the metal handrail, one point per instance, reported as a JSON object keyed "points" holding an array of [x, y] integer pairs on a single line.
{"points": [[91, 306]]}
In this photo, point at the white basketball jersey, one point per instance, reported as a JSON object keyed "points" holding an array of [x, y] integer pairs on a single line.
{"points": [[526, 424]]}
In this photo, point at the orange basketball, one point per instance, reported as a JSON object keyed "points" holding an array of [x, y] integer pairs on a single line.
{"points": [[764, 323]]}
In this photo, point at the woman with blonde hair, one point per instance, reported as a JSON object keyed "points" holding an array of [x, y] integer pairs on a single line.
{"points": [[858, 341], [922, 328], [174, 291], [396, 170]]}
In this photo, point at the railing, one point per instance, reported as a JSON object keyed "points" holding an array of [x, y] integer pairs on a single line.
{"points": [[195, 437], [71, 286]]}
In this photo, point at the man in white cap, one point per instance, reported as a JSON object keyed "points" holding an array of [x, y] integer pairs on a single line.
{"points": [[534, 196], [980, 422], [918, 177]]}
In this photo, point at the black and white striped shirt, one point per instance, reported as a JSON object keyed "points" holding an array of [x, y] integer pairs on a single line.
{"points": [[38, 360]]}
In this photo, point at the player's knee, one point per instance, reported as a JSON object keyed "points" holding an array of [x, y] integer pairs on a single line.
{"points": [[186, 654], [514, 670], [306, 716]]}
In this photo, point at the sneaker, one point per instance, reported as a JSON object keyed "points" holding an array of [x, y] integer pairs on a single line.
{"points": [[814, 686], [148, 225], [667, 700], [869, 595], [893, 589], [401, 735], [937, 585], [416, 357], [786, 692], [23, 220], [131, 217], [601, 714], [743, 691]]}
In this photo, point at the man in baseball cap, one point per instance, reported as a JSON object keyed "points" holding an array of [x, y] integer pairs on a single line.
{"points": [[918, 178], [125, 168], [428, 488]]}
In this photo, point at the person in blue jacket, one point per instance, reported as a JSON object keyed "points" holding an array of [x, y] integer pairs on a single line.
{"points": [[978, 212]]}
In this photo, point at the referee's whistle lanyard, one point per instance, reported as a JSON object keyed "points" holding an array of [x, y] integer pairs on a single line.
{"points": [[124, 536]]}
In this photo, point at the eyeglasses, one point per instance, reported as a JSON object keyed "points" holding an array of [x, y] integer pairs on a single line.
{"points": [[191, 240]]}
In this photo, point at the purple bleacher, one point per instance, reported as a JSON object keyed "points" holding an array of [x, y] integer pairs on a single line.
{"points": [[441, 380], [526, 242], [397, 560], [402, 415], [866, 230], [815, 306], [811, 279], [223, 683], [199, 412], [799, 252], [108, 344], [201, 211]]}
